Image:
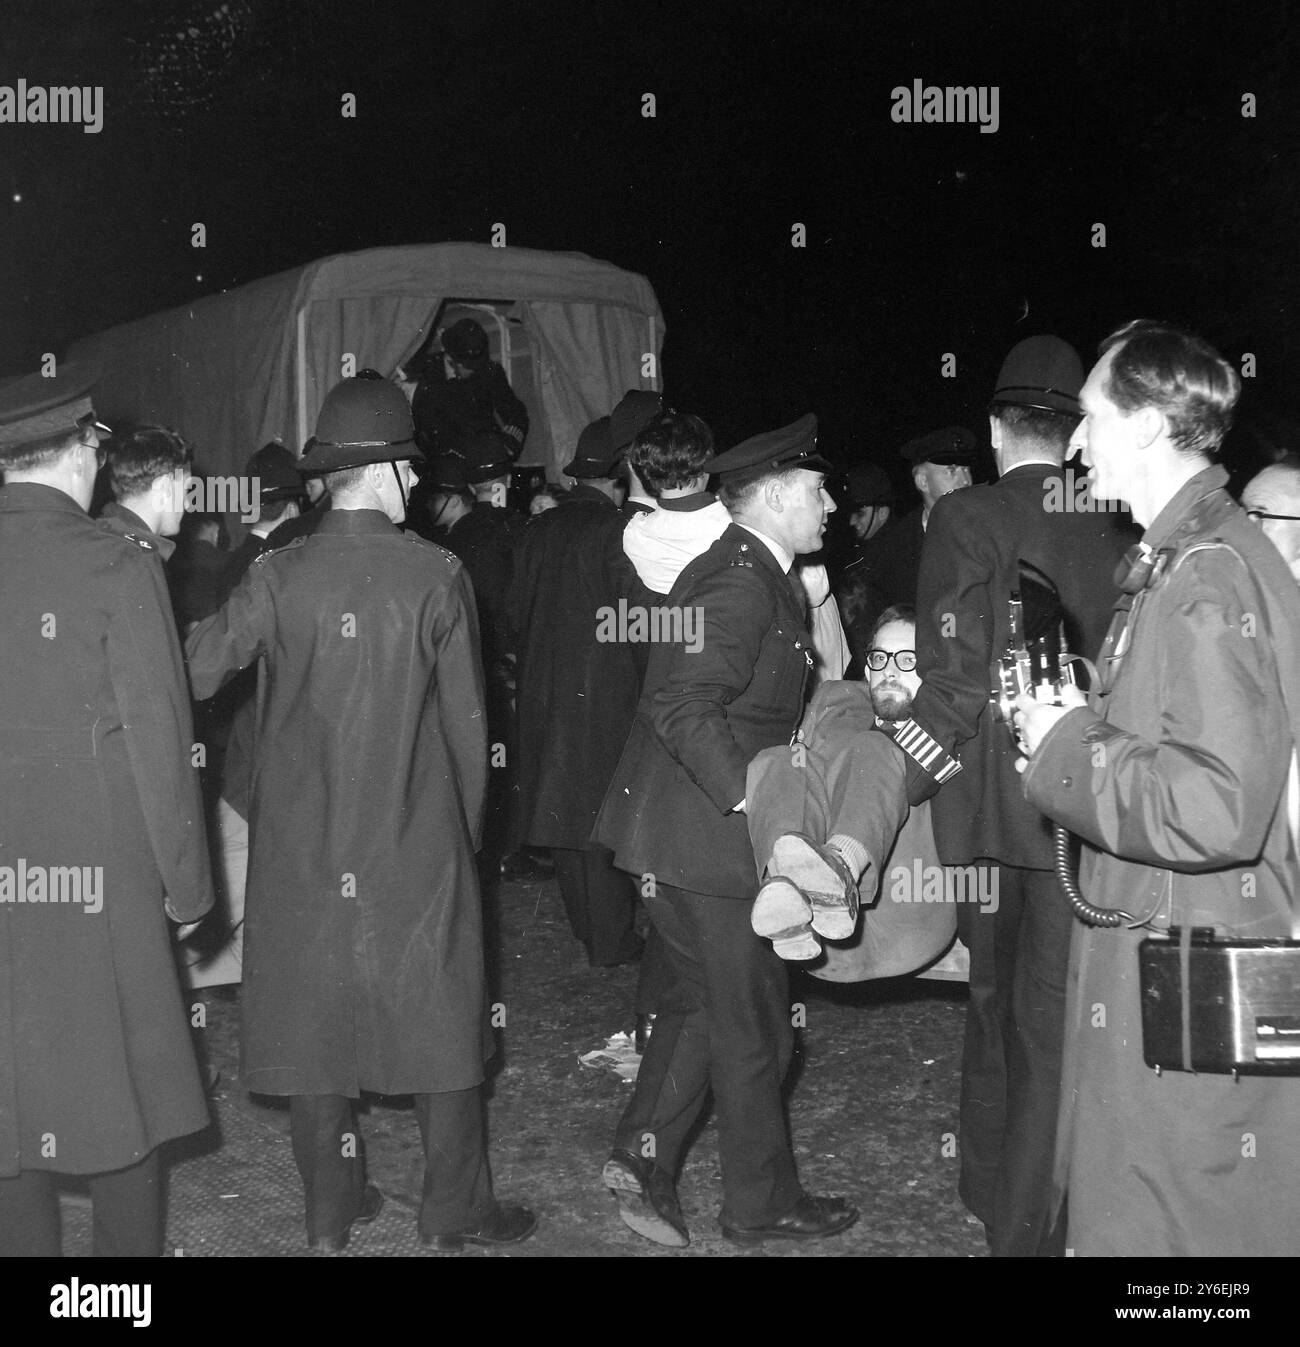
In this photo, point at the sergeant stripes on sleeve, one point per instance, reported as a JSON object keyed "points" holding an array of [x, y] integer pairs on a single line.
{"points": [[926, 752]]}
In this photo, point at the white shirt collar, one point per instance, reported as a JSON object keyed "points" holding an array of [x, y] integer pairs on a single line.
{"points": [[784, 559]]}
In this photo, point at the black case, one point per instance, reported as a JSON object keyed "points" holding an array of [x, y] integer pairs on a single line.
{"points": [[1244, 1003]]}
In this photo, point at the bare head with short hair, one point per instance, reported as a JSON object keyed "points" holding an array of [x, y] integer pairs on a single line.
{"points": [[669, 454]]}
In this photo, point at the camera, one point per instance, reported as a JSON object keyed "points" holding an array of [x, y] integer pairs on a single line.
{"points": [[1039, 665]]}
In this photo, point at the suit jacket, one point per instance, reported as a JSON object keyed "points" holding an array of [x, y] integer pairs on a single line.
{"points": [[703, 714], [970, 564]]}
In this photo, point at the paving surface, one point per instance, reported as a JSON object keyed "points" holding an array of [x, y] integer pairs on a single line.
{"points": [[873, 1109]]}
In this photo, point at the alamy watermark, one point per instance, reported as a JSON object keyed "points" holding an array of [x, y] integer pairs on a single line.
{"points": [[211, 495], [1071, 493], [630, 623], [920, 883], [39, 103], [947, 103], [23, 883]]}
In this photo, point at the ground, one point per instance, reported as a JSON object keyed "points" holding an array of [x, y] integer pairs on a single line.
{"points": [[873, 1111]]}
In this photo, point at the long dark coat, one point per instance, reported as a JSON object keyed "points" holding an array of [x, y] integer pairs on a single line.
{"points": [[363, 953], [96, 770], [577, 693], [974, 542], [703, 716], [1176, 794]]}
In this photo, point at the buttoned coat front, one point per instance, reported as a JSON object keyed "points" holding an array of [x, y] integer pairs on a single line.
{"points": [[1177, 794], [363, 956], [703, 715]]}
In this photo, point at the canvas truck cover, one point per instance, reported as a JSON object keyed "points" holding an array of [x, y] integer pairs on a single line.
{"points": [[235, 370]]}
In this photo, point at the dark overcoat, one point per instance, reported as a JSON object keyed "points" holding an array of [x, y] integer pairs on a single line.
{"points": [[703, 716], [974, 543], [97, 771], [1177, 791], [577, 691], [363, 952]]}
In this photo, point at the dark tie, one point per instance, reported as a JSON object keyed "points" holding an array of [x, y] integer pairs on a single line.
{"points": [[800, 593]]}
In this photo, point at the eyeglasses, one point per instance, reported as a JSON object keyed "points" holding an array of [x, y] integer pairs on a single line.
{"points": [[905, 660], [1257, 515]]}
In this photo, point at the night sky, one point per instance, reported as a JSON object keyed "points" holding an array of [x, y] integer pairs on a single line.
{"points": [[921, 239]]}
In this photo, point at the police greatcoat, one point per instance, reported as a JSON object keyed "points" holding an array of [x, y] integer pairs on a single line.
{"points": [[96, 773], [578, 678], [1175, 790], [704, 715], [363, 955]]}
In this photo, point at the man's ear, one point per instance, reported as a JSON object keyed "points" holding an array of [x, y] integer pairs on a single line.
{"points": [[918, 477], [773, 495], [995, 431], [1148, 424]]}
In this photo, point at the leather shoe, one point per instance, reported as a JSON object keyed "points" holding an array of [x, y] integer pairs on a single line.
{"points": [[525, 866], [647, 1199], [645, 1026], [372, 1203], [508, 1224], [783, 915], [811, 1218], [825, 879]]}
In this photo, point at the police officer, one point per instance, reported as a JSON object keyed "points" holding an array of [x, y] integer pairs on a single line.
{"points": [[464, 392], [101, 840], [980, 545], [364, 931], [674, 816]]}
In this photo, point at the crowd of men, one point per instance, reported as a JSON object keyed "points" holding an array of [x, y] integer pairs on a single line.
{"points": [[779, 742]]}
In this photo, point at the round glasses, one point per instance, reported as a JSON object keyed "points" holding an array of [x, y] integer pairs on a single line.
{"points": [[905, 660]]}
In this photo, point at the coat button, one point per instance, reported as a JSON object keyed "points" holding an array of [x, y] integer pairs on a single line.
{"points": [[1067, 781]]}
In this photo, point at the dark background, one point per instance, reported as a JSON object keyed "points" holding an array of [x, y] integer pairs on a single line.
{"points": [[921, 239]]}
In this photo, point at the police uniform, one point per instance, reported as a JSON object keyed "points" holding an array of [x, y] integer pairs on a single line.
{"points": [[976, 546], [364, 947], [670, 818], [97, 1068], [446, 410]]}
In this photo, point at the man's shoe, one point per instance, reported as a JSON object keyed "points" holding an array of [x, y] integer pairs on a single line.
{"points": [[508, 1224], [783, 915], [526, 866], [812, 1218], [647, 1199], [645, 1026], [372, 1203], [825, 879]]}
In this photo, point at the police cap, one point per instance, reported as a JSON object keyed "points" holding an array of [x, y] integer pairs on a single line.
{"points": [[34, 407], [953, 447], [793, 446]]}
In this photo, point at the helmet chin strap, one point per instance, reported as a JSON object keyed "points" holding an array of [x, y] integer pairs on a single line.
{"points": [[401, 490]]}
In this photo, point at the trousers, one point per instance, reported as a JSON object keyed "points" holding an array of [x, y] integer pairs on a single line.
{"points": [[724, 1022], [1011, 1061], [327, 1147], [127, 1205]]}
